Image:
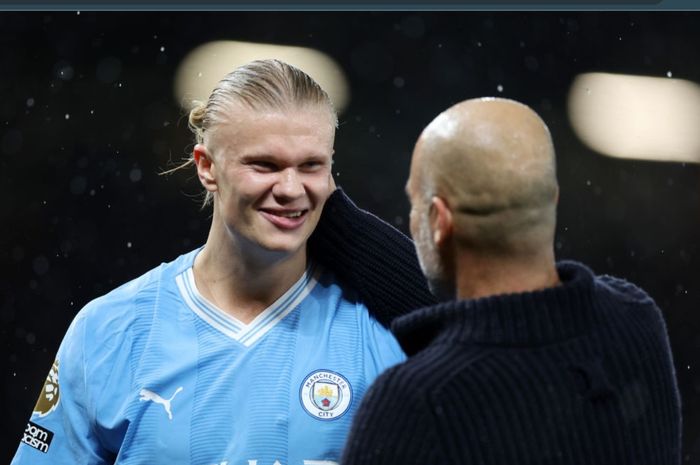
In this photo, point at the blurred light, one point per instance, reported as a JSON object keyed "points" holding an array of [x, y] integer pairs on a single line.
{"points": [[206, 65], [637, 117]]}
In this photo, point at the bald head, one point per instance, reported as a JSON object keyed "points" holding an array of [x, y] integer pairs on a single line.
{"points": [[492, 161]]}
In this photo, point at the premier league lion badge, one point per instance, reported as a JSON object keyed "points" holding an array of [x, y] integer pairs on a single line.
{"points": [[326, 395], [50, 393]]}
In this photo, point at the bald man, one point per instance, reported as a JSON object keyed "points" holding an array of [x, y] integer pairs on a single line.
{"points": [[532, 361]]}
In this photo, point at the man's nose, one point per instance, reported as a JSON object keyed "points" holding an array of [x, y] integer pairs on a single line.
{"points": [[289, 185]]}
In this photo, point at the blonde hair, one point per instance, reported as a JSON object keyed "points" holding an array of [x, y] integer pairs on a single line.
{"points": [[259, 85]]}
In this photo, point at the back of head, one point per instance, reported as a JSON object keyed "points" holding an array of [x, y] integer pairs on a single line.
{"points": [[492, 160]]}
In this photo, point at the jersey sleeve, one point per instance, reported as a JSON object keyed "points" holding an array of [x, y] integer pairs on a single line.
{"points": [[60, 428], [373, 257], [383, 351]]}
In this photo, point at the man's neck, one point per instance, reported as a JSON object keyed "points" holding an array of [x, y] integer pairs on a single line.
{"points": [[479, 276], [242, 280]]}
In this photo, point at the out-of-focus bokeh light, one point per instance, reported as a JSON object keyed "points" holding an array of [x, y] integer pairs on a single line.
{"points": [[203, 67], [647, 118]]}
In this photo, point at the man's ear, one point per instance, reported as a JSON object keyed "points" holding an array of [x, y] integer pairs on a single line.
{"points": [[441, 223], [205, 167]]}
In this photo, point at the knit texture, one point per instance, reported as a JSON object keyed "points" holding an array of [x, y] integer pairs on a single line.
{"points": [[372, 257], [580, 373]]}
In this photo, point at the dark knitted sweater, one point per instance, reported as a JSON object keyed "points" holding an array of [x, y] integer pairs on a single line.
{"points": [[371, 256], [577, 374]]}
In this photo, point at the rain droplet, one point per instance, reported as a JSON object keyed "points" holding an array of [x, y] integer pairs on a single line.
{"points": [[162, 49], [499, 88], [128, 245], [67, 116], [30, 102], [63, 70], [669, 74]]}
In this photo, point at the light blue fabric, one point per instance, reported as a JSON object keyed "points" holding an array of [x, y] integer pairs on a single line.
{"points": [[152, 373]]}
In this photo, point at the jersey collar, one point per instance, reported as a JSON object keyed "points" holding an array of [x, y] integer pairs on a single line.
{"points": [[246, 334]]}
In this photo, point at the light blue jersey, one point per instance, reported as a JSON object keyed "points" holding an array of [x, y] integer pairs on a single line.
{"points": [[153, 373]]}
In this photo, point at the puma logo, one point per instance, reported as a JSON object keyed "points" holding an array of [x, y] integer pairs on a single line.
{"points": [[147, 395]]}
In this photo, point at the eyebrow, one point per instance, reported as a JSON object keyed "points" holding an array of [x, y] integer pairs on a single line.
{"points": [[273, 158]]}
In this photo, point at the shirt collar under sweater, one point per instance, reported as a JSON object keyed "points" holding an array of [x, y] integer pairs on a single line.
{"points": [[523, 319]]}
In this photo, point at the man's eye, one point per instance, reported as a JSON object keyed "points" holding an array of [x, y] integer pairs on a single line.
{"points": [[263, 165], [311, 165]]}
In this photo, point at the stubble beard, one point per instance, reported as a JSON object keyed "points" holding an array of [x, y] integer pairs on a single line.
{"points": [[431, 265]]}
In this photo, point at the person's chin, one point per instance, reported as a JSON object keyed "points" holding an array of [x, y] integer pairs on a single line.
{"points": [[286, 244]]}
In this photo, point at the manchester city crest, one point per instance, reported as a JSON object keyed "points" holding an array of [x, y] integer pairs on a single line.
{"points": [[325, 395]]}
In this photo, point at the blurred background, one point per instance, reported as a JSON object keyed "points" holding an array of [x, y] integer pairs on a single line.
{"points": [[92, 110]]}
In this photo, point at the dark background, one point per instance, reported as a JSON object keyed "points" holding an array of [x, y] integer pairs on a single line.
{"points": [[88, 120]]}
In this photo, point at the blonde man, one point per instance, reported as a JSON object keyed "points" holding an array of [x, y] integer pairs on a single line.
{"points": [[244, 351]]}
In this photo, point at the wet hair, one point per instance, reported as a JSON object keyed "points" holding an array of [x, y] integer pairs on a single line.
{"points": [[261, 85]]}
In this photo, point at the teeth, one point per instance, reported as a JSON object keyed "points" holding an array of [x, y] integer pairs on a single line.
{"points": [[291, 215]]}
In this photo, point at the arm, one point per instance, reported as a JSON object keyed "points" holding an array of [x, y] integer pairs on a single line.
{"points": [[373, 257], [60, 428]]}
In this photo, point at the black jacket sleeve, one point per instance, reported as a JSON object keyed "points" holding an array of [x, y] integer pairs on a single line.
{"points": [[373, 257]]}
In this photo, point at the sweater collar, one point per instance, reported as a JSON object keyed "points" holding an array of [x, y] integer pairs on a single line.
{"points": [[525, 319]]}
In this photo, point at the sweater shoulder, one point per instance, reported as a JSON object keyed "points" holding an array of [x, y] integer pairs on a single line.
{"points": [[623, 290], [627, 300]]}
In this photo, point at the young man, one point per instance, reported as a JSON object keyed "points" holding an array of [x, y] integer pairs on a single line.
{"points": [[244, 351], [536, 362]]}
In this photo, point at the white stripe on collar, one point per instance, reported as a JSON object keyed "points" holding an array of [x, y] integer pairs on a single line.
{"points": [[246, 334]]}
